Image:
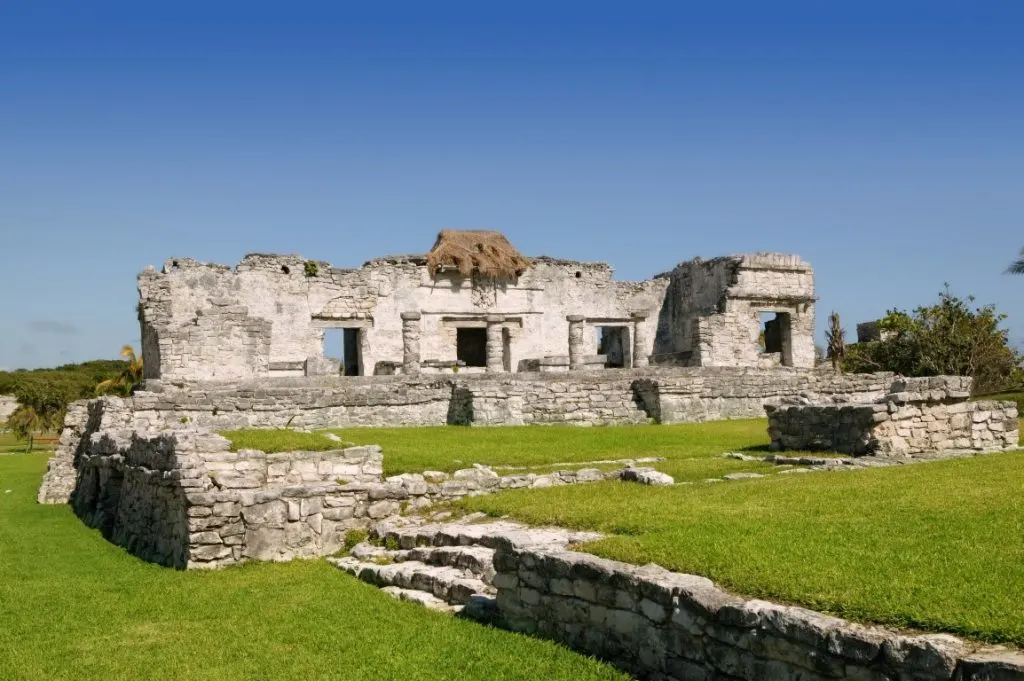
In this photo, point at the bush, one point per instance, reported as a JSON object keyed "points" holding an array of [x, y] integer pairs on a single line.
{"points": [[948, 338]]}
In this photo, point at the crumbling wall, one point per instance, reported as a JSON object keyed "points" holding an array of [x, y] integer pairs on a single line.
{"points": [[711, 315], [603, 397], [657, 624], [268, 315], [83, 419], [916, 416], [179, 497]]}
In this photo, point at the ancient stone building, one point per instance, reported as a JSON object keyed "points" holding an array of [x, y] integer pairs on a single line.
{"points": [[472, 304]]}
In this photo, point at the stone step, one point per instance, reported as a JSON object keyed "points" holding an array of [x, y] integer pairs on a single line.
{"points": [[477, 560], [450, 584], [428, 601], [488, 534]]}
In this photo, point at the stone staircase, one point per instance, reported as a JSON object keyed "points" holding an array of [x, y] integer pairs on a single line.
{"points": [[447, 567]]}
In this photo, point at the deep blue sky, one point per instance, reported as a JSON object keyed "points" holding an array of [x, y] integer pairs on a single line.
{"points": [[883, 141]]}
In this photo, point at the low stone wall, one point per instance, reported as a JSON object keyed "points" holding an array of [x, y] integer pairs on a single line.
{"points": [[612, 396], [919, 415], [662, 625], [181, 498]]}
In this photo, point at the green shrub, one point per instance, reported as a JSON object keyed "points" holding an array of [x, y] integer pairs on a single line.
{"points": [[353, 537]]}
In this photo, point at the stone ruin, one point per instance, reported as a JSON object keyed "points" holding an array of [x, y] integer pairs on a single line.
{"points": [[916, 416], [267, 317], [441, 339]]}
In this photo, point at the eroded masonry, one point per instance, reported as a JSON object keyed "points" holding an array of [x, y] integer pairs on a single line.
{"points": [[471, 304], [473, 333]]}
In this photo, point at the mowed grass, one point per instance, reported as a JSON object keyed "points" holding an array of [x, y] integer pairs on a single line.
{"points": [[448, 448], [73, 606], [938, 546], [9, 444]]}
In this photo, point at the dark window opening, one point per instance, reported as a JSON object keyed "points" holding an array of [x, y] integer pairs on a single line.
{"points": [[775, 336], [613, 343], [579, 275], [285, 269], [471, 346]]}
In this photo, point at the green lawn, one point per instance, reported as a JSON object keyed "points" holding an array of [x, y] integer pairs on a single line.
{"points": [[12, 445], [73, 606], [937, 546], [448, 448]]}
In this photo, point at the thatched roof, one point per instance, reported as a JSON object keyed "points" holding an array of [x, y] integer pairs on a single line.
{"points": [[482, 252]]}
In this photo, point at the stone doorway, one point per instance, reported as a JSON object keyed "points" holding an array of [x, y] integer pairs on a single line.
{"points": [[471, 346], [345, 345], [776, 338], [613, 342]]}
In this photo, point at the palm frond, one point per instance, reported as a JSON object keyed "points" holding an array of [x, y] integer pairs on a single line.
{"points": [[1018, 265]]}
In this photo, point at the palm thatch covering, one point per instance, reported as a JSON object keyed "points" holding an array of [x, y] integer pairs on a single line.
{"points": [[483, 252]]}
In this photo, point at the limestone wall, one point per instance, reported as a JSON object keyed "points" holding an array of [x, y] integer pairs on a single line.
{"points": [[712, 311], [272, 316], [179, 497], [578, 397], [658, 624], [266, 316], [916, 416]]}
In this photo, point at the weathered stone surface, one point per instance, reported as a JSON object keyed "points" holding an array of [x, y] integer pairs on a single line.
{"points": [[917, 416], [647, 476]]}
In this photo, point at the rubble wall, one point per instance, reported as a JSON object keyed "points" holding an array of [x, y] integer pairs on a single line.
{"points": [[658, 624], [604, 397], [916, 416]]}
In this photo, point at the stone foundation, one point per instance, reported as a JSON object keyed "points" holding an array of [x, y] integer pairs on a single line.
{"points": [[604, 397], [180, 498], [669, 626], [917, 416]]}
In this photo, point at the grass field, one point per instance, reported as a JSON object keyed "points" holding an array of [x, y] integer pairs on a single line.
{"points": [[73, 606], [937, 546], [691, 449], [12, 445]]}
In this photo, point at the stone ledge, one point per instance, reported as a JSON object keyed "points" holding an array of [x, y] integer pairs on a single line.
{"points": [[658, 624]]}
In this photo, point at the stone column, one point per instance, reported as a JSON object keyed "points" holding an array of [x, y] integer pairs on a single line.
{"points": [[410, 343], [639, 340], [575, 341], [495, 344]]}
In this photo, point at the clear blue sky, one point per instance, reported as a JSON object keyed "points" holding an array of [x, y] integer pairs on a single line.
{"points": [[883, 141]]}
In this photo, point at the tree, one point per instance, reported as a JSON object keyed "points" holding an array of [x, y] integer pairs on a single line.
{"points": [[124, 383], [949, 338], [24, 422], [836, 338], [1018, 265]]}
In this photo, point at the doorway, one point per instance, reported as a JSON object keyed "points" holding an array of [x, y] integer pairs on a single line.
{"points": [[471, 346], [613, 343], [776, 336], [343, 344]]}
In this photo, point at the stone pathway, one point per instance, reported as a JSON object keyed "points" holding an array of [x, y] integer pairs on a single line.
{"points": [[805, 463]]}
